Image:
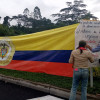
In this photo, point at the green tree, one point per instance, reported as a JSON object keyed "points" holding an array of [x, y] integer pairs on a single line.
{"points": [[26, 12], [6, 21], [0, 17], [26, 23], [74, 12], [37, 13], [6, 31], [88, 16]]}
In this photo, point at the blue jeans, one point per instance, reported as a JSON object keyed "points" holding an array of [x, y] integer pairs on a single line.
{"points": [[79, 75]]}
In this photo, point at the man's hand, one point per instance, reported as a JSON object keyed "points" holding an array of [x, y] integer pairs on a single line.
{"points": [[87, 46]]}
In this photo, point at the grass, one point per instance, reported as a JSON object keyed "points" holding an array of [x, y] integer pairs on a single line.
{"points": [[58, 81]]}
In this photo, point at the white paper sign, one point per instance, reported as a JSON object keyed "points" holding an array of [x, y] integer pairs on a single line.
{"points": [[90, 32]]}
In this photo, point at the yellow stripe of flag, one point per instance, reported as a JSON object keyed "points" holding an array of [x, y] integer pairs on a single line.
{"points": [[56, 39]]}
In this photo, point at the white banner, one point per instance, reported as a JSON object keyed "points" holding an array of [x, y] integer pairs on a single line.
{"points": [[90, 32]]}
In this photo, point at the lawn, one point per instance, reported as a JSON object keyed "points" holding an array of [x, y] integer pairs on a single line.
{"points": [[58, 81]]}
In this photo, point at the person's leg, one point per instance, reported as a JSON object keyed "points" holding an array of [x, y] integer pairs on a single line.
{"points": [[75, 83], [84, 84]]}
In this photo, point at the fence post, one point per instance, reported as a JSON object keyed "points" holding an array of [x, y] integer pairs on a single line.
{"points": [[91, 76]]}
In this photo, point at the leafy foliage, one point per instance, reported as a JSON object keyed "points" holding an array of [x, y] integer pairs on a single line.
{"points": [[6, 31], [74, 12], [26, 23], [30, 22], [37, 13], [6, 22], [37, 26]]}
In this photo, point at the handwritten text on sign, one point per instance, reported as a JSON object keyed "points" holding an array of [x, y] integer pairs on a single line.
{"points": [[89, 31]]}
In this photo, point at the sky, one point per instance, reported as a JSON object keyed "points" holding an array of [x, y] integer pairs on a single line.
{"points": [[47, 7]]}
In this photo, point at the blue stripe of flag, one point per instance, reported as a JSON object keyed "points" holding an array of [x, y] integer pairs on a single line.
{"points": [[61, 56]]}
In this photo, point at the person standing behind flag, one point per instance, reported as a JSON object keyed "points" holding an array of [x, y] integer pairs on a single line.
{"points": [[79, 58]]}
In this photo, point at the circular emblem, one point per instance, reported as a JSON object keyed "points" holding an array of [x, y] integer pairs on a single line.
{"points": [[7, 51]]}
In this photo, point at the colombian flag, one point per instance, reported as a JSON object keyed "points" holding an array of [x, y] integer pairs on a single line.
{"points": [[44, 52]]}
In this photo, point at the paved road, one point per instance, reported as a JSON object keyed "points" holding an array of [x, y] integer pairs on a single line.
{"points": [[10, 91]]}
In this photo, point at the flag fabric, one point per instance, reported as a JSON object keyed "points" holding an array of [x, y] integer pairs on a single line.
{"points": [[44, 52]]}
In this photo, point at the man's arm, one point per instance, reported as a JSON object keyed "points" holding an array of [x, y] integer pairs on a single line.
{"points": [[71, 59], [90, 57], [94, 49]]}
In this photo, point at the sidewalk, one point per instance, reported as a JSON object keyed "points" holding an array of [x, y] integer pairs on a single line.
{"points": [[64, 93]]}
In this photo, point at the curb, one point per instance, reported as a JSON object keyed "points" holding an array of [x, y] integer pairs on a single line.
{"points": [[64, 93]]}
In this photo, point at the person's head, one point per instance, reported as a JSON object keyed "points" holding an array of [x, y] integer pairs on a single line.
{"points": [[82, 43]]}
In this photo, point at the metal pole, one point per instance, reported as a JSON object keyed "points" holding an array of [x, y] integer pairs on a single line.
{"points": [[91, 77]]}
